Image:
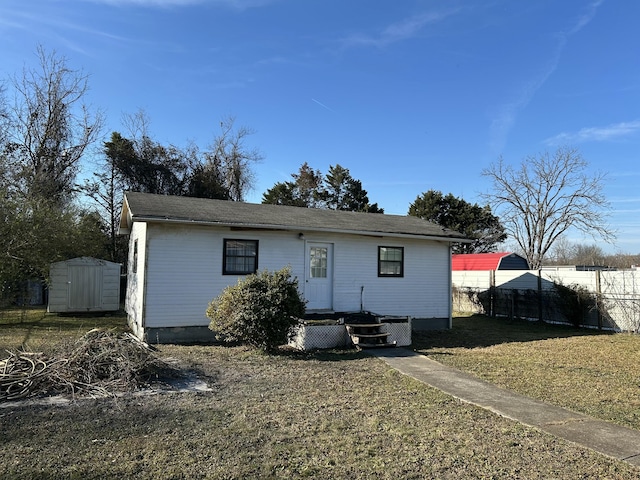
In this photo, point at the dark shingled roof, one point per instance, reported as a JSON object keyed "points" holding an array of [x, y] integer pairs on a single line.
{"points": [[166, 208]]}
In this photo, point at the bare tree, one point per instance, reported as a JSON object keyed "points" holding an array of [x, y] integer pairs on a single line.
{"points": [[230, 155], [4, 119], [49, 129], [589, 255], [566, 253], [4, 131], [546, 196], [561, 253], [45, 129], [623, 260], [106, 190]]}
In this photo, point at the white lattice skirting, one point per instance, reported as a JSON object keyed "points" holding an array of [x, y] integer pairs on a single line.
{"points": [[312, 337], [400, 332]]}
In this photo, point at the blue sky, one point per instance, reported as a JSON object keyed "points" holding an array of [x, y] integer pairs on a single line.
{"points": [[409, 95]]}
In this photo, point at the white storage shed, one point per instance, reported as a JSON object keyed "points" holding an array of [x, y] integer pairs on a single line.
{"points": [[84, 284]]}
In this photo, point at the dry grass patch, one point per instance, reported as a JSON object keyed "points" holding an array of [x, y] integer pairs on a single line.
{"points": [[584, 370], [337, 414], [36, 330]]}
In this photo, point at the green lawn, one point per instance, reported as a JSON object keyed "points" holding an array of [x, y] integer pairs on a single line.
{"points": [[333, 414]]}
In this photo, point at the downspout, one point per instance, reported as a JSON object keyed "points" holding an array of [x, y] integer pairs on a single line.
{"points": [[305, 266], [361, 298]]}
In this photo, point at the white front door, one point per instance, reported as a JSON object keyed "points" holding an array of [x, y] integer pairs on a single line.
{"points": [[318, 287]]}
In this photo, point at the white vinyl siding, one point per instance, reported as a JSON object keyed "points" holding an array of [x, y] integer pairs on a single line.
{"points": [[423, 292], [184, 269], [184, 272]]}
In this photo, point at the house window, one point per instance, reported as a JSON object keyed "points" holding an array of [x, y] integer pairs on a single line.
{"points": [[135, 255], [390, 261], [240, 257]]}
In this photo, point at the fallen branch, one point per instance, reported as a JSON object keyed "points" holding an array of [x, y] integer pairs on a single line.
{"points": [[100, 363]]}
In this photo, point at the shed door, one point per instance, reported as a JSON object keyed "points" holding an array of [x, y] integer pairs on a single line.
{"points": [[85, 286], [318, 288]]}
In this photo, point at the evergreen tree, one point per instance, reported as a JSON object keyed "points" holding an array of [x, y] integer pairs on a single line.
{"points": [[338, 190], [472, 220]]}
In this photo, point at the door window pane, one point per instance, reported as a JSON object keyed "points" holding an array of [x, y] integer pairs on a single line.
{"points": [[318, 262]]}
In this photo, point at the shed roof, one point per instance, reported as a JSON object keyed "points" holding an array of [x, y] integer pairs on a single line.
{"points": [[481, 261], [85, 261], [200, 211]]}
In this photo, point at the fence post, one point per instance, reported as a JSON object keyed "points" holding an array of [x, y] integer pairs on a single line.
{"points": [[598, 297], [540, 316], [512, 314], [492, 293]]}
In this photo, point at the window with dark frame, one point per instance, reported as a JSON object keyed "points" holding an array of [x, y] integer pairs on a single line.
{"points": [[240, 257], [390, 261]]}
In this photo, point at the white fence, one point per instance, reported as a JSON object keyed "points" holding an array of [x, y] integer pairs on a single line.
{"points": [[615, 294]]}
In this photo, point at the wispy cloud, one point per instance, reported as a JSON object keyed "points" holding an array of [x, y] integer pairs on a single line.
{"points": [[276, 60], [54, 26], [148, 3], [624, 199], [398, 31], [235, 4], [322, 105], [508, 112], [596, 134], [625, 174], [586, 17]]}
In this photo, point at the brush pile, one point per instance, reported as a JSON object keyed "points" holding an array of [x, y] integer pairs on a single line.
{"points": [[101, 363]]}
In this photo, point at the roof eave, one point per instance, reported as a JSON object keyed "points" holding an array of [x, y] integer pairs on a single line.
{"points": [[126, 219], [263, 226]]}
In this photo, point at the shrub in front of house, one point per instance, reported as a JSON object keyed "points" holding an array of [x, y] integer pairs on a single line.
{"points": [[260, 310]]}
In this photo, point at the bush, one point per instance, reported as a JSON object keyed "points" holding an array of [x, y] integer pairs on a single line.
{"points": [[260, 310], [575, 302]]}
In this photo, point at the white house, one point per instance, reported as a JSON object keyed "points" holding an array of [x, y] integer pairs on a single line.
{"points": [[184, 251]]}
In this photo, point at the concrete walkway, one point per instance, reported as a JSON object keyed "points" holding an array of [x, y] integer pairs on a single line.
{"points": [[604, 437]]}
